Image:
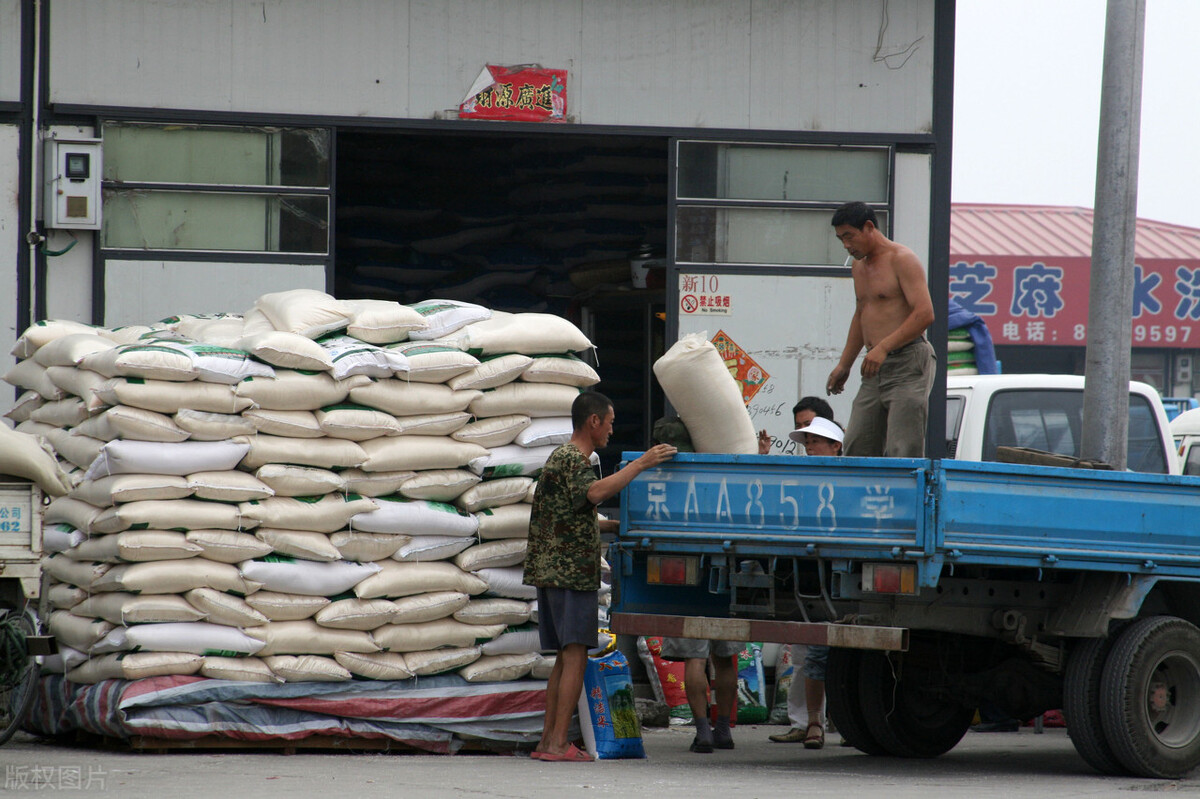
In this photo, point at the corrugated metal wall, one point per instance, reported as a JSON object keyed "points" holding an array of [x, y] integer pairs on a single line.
{"points": [[844, 65]]}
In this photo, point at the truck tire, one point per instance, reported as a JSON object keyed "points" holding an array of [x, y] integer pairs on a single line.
{"points": [[842, 696], [1081, 705], [907, 718], [18, 686], [1150, 697]]}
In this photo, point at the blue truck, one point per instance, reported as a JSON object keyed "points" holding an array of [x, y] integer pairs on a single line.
{"points": [[940, 585]]}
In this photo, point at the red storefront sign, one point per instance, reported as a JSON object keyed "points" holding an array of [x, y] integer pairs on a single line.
{"points": [[1045, 302], [525, 93]]}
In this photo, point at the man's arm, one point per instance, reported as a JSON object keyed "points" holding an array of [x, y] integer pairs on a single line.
{"points": [[610, 486], [854, 344]]}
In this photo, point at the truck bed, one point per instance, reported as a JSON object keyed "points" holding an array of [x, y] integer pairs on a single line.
{"points": [[936, 514]]}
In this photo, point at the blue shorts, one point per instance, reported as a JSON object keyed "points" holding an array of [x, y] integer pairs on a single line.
{"points": [[566, 616], [814, 662]]}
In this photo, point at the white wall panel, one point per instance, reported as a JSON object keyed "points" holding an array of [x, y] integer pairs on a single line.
{"points": [[862, 65], [913, 201], [10, 241], [847, 65], [10, 50], [667, 63], [138, 292], [348, 58]]}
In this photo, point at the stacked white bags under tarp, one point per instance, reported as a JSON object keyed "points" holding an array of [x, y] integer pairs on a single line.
{"points": [[313, 490]]}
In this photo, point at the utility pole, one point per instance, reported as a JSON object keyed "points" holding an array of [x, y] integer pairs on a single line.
{"points": [[1110, 300]]}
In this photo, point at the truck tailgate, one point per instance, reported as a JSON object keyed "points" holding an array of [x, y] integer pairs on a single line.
{"points": [[763, 505]]}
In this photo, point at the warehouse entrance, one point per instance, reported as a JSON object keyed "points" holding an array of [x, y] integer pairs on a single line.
{"points": [[529, 222]]}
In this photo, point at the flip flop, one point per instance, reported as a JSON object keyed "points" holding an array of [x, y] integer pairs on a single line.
{"points": [[536, 755], [573, 755]]}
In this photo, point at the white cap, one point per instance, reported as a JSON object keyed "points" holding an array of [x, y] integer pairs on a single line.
{"points": [[819, 426]]}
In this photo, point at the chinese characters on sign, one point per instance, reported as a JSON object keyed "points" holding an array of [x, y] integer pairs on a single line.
{"points": [[1046, 302], [525, 93], [701, 295], [11, 517]]}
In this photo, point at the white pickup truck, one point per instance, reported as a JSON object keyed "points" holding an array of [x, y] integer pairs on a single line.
{"points": [[1045, 412]]}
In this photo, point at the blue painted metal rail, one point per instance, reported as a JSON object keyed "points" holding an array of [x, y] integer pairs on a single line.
{"points": [[932, 513]]}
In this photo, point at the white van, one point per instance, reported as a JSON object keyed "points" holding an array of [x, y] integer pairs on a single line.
{"points": [[1186, 429], [1045, 412]]}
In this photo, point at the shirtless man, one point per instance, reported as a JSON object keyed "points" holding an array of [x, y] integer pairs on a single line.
{"points": [[892, 311]]}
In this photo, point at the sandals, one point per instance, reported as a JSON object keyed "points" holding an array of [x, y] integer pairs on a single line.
{"points": [[814, 737], [573, 755]]}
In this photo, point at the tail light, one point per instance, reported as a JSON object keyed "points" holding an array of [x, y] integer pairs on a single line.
{"points": [[672, 570], [889, 578]]}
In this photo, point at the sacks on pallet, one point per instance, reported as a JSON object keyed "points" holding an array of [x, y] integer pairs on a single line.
{"points": [[284, 552]]}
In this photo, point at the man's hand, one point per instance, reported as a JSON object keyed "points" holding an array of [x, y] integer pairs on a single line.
{"points": [[837, 380], [656, 455], [873, 361], [764, 442]]}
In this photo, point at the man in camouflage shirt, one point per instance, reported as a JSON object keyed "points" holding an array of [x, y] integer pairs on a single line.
{"points": [[563, 560]]}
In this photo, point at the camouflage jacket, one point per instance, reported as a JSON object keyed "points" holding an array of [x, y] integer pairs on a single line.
{"points": [[564, 536]]}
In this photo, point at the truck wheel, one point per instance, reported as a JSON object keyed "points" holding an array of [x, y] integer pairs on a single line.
{"points": [[19, 681], [904, 713], [1081, 705], [842, 696], [1150, 697]]}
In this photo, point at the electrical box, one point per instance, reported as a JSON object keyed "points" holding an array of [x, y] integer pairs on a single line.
{"points": [[71, 194], [1183, 368]]}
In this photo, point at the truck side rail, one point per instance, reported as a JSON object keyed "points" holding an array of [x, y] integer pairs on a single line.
{"points": [[1045, 517]]}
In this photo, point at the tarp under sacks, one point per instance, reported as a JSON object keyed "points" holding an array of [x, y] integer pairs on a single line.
{"points": [[437, 714]]}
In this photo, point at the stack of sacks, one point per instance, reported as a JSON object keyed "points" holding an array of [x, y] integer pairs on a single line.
{"points": [[960, 352], [314, 490]]}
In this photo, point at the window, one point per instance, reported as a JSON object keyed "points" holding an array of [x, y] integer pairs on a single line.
{"points": [[1052, 421], [954, 411], [1191, 464], [216, 188], [743, 203]]}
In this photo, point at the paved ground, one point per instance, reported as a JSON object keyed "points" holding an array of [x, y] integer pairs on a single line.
{"points": [[1020, 765]]}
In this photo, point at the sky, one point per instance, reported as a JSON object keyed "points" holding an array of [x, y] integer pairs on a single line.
{"points": [[1027, 105]]}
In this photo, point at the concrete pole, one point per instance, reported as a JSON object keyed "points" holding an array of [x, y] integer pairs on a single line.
{"points": [[1110, 300]]}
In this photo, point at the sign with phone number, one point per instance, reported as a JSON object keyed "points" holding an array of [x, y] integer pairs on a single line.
{"points": [[1045, 302]]}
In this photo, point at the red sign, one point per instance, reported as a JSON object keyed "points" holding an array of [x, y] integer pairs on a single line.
{"points": [[1045, 302], [525, 93], [749, 375]]}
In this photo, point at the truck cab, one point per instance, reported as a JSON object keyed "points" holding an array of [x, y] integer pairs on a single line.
{"points": [[1045, 412]]}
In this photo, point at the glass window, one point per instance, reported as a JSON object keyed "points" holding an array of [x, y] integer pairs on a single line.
{"points": [[1191, 464], [1052, 421], [142, 219], [954, 410], [229, 156], [792, 236], [727, 171], [149, 169]]}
